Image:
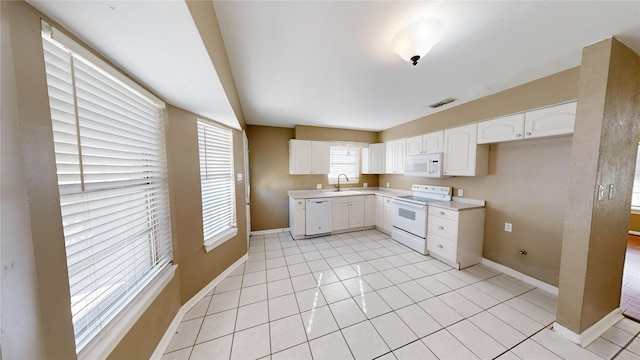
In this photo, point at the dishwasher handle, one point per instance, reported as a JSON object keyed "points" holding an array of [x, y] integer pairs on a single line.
{"points": [[318, 201]]}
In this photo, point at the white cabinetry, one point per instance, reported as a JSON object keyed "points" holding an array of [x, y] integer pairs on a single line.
{"points": [[309, 157], [550, 121], [462, 155], [383, 213], [369, 210], [297, 218], [456, 237], [373, 159], [395, 152], [348, 213], [425, 144]]}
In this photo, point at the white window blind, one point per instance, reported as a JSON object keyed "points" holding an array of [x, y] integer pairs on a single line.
{"points": [[217, 183], [111, 166], [635, 197], [344, 160]]}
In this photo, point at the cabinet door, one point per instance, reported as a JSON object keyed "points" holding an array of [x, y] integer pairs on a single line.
{"points": [[299, 221], [387, 225], [369, 210], [299, 157], [356, 214], [340, 216], [433, 142], [501, 129], [400, 146], [390, 157], [365, 162], [554, 120], [414, 145], [380, 211], [377, 158], [320, 157], [460, 150]]}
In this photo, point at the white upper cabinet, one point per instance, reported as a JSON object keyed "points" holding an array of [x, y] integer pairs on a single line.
{"points": [[501, 129], [395, 153], [425, 144], [309, 157], [462, 155], [373, 159], [550, 121], [554, 120]]}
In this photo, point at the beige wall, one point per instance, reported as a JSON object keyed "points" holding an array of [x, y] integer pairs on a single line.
{"points": [[527, 180], [634, 222], [269, 170], [36, 317]]}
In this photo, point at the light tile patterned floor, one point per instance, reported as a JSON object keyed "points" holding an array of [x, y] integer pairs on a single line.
{"points": [[362, 295]]}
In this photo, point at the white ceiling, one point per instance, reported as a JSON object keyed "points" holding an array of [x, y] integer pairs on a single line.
{"points": [[329, 63]]}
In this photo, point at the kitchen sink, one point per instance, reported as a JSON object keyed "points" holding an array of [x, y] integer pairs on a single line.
{"points": [[343, 192]]}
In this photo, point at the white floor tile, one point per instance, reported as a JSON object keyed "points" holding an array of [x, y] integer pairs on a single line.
{"points": [[318, 322], [330, 347], [459, 303], [255, 266], [478, 297], [334, 292], [304, 282], [440, 311], [345, 272], [531, 350], [434, 286], [520, 322], [271, 254], [364, 341], [325, 277], [418, 320], [298, 269], [312, 255], [286, 333], [377, 280], [364, 268], [481, 271], [450, 281], [629, 326], [229, 284], [300, 352], [294, 259], [276, 262], [627, 355], [254, 278], [357, 286], [252, 315], [541, 299], [347, 313], [279, 288], [511, 285], [560, 346], [497, 329], [446, 346], [219, 348], [318, 265], [353, 257], [198, 310], [282, 307], [414, 351], [278, 273], [252, 343], [476, 340], [428, 267], [493, 290], [508, 356], [372, 305], [397, 260], [381, 264], [224, 301], [182, 354], [253, 294], [395, 276], [217, 325], [634, 347], [393, 330], [294, 250], [185, 335], [415, 291], [617, 336], [310, 299], [394, 297], [537, 313], [603, 348]]}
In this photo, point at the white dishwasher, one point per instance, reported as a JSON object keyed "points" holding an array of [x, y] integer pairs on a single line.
{"points": [[318, 215]]}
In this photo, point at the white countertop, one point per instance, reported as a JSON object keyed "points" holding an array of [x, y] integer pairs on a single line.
{"points": [[459, 204], [330, 193]]}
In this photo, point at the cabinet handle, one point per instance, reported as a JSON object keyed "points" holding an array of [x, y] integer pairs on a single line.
{"points": [[441, 227], [528, 134], [440, 246], [518, 135], [441, 212]]}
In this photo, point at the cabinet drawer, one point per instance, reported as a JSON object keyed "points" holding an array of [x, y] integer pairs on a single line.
{"points": [[443, 247], [444, 213], [443, 227], [299, 202]]}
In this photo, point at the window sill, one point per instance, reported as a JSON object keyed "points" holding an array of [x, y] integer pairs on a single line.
{"points": [[220, 239], [103, 344], [635, 211]]}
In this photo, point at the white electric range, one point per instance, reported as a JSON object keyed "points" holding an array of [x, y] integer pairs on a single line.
{"points": [[409, 215]]}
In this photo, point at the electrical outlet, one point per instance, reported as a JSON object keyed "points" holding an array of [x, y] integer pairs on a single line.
{"points": [[387, 184], [319, 186], [365, 185], [508, 227], [460, 192]]}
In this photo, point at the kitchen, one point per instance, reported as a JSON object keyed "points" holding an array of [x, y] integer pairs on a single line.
{"points": [[526, 183]]}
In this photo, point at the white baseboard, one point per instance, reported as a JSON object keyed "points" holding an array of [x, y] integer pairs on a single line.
{"points": [[588, 336], [164, 342], [631, 232], [271, 231], [520, 276]]}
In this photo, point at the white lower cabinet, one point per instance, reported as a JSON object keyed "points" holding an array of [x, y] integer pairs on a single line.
{"points": [[456, 237], [297, 218], [369, 210], [348, 213], [383, 213]]}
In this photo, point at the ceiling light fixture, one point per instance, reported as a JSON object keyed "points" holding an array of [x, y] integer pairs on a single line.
{"points": [[415, 40]]}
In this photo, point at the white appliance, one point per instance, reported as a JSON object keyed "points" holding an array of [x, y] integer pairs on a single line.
{"points": [[426, 165], [318, 217], [409, 215]]}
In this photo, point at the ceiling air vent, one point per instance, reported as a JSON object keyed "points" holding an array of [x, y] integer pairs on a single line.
{"points": [[442, 103]]}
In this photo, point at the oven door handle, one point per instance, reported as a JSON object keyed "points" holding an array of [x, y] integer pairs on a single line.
{"points": [[409, 205]]}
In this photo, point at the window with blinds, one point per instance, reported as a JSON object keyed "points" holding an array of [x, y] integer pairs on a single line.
{"points": [[344, 160], [217, 184], [112, 179], [635, 197]]}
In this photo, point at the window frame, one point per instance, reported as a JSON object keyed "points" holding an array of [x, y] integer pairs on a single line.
{"points": [[356, 149]]}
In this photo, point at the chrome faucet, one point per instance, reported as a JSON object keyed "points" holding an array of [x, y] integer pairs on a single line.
{"points": [[345, 176]]}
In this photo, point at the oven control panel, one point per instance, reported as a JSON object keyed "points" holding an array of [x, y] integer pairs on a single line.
{"points": [[435, 189]]}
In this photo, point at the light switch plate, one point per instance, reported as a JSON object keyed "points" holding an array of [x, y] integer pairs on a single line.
{"points": [[319, 186], [460, 192], [508, 227]]}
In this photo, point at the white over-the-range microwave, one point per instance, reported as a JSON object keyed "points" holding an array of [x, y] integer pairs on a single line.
{"points": [[425, 165]]}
